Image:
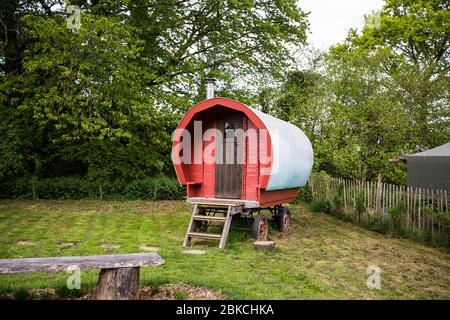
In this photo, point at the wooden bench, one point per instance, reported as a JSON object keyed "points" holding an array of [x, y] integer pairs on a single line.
{"points": [[118, 278]]}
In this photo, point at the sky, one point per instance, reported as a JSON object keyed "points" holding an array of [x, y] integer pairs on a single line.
{"points": [[330, 20]]}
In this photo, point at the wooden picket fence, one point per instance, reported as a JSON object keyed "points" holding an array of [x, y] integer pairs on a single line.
{"points": [[423, 210]]}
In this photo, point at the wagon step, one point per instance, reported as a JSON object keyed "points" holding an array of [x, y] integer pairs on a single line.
{"points": [[210, 218], [232, 209], [204, 235]]}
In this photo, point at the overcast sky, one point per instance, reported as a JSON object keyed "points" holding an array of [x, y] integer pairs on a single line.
{"points": [[330, 20]]}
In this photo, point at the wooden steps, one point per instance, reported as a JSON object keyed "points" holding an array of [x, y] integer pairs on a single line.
{"points": [[210, 218], [203, 235], [231, 208]]}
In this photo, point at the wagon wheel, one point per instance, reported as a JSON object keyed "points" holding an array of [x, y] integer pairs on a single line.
{"points": [[284, 219], [201, 226], [260, 227]]}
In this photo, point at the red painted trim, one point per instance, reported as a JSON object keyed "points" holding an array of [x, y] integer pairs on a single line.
{"points": [[277, 197], [210, 103]]}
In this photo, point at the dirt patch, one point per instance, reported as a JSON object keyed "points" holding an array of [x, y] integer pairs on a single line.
{"points": [[28, 243], [67, 245], [110, 246], [148, 248], [180, 292], [42, 294], [194, 251]]}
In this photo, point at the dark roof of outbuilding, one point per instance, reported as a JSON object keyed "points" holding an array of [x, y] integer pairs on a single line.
{"points": [[441, 151]]}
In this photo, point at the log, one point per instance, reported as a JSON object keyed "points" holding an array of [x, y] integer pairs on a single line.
{"points": [[118, 284], [264, 245], [28, 265]]}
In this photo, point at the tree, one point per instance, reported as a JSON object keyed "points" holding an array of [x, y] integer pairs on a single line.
{"points": [[381, 93], [104, 100], [418, 34]]}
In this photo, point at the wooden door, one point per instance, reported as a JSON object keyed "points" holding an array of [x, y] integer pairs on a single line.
{"points": [[229, 158]]}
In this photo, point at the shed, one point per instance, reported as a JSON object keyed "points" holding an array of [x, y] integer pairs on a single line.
{"points": [[223, 149], [430, 169]]}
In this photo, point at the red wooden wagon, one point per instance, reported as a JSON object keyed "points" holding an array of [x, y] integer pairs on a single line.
{"points": [[235, 160]]}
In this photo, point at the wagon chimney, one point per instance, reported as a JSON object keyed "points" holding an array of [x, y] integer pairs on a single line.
{"points": [[210, 88]]}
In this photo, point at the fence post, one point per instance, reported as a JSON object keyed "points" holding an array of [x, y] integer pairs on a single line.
{"points": [[420, 203], [345, 196], [446, 203], [432, 216], [407, 208]]}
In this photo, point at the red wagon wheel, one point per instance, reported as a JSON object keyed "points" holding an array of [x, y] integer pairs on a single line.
{"points": [[260, 228], [284, 219]]}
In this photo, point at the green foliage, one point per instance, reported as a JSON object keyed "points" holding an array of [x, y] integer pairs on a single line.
{"points": [[320, 205], [304, 195], [181, 295], [380, 94], [337, 201], [360, 207], [159, 188], [376, 222], [102, 101], [395, 214]]}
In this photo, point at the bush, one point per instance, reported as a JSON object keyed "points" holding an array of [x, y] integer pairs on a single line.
{"points": [[360, 206], [395, 215], [156, 188], [304, 195], [375, 221], [320, 205], [337, 202]]}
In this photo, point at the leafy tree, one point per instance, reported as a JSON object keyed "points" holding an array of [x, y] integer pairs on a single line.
{"points": [[380, 94], [103, 100], [418, 34]]}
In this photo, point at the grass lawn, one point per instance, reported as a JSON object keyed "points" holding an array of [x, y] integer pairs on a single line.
{"points": [[322, 258]]}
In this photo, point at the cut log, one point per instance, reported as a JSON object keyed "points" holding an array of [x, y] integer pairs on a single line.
{"points": [[264, 245], [118, 284]]}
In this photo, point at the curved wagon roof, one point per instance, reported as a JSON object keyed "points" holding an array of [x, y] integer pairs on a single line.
{"points": [[292, 153]]}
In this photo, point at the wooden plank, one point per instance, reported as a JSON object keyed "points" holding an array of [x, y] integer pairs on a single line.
{"points": [[407, 208], [446, 203], [419, 204], [344, 182], [414, 202], [217, 205], [190, 228], [228, 182], [432, 217], [226, 228], [441, 206], [28, 265], [210, 218], [205, 235]]}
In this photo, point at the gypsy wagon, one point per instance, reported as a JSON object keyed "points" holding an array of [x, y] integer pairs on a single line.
{"points": [[235, 160]]}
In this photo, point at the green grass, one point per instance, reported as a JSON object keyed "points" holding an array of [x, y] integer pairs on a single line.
{"points": [[322, 257]]}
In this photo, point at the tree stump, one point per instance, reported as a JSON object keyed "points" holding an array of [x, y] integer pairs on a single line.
{"points": [[264, 245], [118, 284]]}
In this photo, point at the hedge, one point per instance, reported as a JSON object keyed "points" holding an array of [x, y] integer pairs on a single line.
{"points": [[155, 188]]}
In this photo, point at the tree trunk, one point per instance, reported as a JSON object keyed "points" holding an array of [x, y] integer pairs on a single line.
{"points": [[118, 284]]}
